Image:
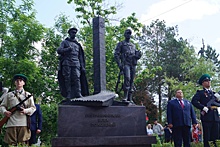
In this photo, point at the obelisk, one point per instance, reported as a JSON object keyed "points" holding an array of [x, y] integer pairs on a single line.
{"points": [[99, 60]]}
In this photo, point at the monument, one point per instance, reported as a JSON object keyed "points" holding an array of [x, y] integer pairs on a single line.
{"points": [[95, 120], [126, 56]]}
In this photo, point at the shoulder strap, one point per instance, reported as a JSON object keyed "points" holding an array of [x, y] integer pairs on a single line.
{"points": [[19, 99]]}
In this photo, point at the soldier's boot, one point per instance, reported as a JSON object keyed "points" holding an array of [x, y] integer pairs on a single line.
{"points": [[130, 98], [125, 98], [68, 89], [78, 90]]}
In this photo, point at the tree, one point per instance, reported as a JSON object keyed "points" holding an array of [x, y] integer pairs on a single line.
{"points": [[153, 41], [89, 9], [142, 95], [163, 49], [48, 62], [211, 54], [19, 31]]}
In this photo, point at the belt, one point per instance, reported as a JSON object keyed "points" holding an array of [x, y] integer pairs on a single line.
{"points": [[214, 107]]}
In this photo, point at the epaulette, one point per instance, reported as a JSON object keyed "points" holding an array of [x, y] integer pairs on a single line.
{"points": [[199, 90]]}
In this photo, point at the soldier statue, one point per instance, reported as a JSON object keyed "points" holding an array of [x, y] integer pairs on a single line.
{"points": [[71, 73], [126, 56]]}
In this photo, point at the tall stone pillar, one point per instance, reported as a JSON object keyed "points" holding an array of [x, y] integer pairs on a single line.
{"points": [[99, 60]]}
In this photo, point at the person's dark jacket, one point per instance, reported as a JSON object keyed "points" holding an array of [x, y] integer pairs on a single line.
{"points": [[179, 116], [200, 100], [36, 119]]}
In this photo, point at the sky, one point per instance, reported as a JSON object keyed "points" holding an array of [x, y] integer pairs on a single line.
{"points": [[196, 19]]}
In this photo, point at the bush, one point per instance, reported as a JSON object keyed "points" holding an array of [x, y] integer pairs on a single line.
{"points": [[212, 144], [49, 128], [194, 144]]}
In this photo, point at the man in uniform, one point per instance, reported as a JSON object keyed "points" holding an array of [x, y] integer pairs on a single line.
{"points": [[18, 131], [209, 113], [126, 56], [71, 74]]}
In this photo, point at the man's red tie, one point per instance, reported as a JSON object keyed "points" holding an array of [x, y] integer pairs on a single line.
{"points": [[181, 103]]}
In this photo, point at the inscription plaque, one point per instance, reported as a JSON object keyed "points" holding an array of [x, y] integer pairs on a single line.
{"points": [[82, 121]]}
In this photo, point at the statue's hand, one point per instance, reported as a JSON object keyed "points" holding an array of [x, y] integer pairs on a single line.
{"points": [[121, 67], [138, 54]]}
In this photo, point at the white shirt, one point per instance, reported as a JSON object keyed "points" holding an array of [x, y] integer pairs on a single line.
{"points": [[181, 101], [150, 132]]}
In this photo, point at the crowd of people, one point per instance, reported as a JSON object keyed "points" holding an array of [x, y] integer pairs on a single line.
{"points": [[165, 133]]}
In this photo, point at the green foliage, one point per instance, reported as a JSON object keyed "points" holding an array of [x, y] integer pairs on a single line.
{"points": [[211, 143], [48, 67], [89, 9], [161, 49], [2, 134], [10, 68], [188, 88], [20, 30], [210, 54], [49, 130], [198, 144], [167, 145], [62, 24], [167, 63], [158, 144]]}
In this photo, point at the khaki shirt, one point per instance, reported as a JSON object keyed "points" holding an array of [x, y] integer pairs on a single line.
{"points": [[10, 100]]}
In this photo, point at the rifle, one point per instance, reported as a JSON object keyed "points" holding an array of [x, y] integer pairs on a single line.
{"points": [[118, 81], [212, 101], [12, 110]]}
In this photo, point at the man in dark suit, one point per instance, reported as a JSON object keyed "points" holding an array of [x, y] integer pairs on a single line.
{"points": [[36, 124], [209, 113], [180, 114]]}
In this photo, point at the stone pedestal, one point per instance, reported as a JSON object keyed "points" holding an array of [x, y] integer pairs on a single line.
{"points": [[80, 126]]}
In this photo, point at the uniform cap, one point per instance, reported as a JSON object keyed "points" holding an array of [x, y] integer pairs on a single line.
{"points": [[73, 29], [203, 78], [20, 76]]}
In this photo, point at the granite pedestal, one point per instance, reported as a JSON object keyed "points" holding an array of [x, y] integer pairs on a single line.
{"points": [[82, 126]]}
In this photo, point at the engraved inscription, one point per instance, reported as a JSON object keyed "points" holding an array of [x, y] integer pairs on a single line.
{"points": [[103, 120]]}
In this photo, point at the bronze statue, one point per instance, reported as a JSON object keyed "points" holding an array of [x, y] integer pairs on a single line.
{"points": [[202, 50], [71, 73], [126, 56]]}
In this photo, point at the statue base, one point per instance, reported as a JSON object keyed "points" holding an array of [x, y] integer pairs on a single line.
{"points": [[80, 126], [107, 141]]}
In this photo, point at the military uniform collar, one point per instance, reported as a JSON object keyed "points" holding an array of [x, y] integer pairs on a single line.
{"points": [[19, 91]]}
